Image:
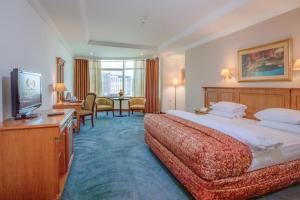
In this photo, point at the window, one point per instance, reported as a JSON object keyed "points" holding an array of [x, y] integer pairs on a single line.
{"points": [[108, 77]]}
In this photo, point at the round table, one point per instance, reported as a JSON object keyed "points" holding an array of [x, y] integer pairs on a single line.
{"points": [[120, 99]]}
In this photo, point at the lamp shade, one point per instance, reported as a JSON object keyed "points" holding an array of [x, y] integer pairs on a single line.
{"points": [[175, 81], [60, 87], [225, 72], [297, 65]]}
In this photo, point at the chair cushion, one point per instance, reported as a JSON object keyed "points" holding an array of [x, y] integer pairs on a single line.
{"points": [[104, 101], [104, 107], [141, 107], [137, 101], [85, 112]]}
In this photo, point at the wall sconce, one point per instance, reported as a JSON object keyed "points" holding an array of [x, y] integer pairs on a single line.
{"points": [[297, 64], [226, 73]]}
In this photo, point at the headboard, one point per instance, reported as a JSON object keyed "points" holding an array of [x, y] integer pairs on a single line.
{"points": [[255, 99]]}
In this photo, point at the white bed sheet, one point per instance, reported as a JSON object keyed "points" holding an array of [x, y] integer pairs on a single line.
{"points": [[288, 150]]}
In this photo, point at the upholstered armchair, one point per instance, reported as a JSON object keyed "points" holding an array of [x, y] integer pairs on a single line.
{"points": [[136, 104], [104, 104], [88, 108]]}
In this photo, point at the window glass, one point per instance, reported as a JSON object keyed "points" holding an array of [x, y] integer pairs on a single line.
{"points": [[108, 77], [112, 82], [112, 64]]}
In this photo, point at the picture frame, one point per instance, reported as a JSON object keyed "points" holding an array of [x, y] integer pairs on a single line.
{"points": [[268, 62]]}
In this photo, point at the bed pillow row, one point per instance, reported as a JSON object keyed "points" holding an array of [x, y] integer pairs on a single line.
{"points": [[281, 115], [228, 109], [227, 114]]}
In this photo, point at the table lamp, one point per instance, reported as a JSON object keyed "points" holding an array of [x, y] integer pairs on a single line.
{"points": [[60, 88], [226, 73]]}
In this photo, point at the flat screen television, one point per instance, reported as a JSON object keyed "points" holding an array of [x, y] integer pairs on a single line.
{"points": [[26, 93]]}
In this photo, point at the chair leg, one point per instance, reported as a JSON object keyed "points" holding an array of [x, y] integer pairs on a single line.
{"points": [[113, 113], [106, 113], [93, 121], [83, 120]]}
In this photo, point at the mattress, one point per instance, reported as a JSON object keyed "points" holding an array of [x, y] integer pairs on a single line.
{"points": [[209, 153], [288, 150]]}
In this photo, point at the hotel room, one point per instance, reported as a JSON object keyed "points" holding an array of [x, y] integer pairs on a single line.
{"points": [[159, 100]]}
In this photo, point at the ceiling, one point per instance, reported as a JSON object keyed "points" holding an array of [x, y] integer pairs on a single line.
{"points": [[141, 28]]}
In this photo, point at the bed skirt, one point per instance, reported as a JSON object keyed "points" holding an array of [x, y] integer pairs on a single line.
{"points": [[245, 186]]}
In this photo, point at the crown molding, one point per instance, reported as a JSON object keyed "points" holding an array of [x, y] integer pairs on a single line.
{"points": [[122, 45], [204, 21], [36, 5], [283, 9]]}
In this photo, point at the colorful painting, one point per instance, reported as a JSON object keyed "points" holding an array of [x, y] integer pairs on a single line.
{"points": [[271, 62]]}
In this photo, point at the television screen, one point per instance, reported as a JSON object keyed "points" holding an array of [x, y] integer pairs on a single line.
{"points": [[26, 92], [29, 89]]}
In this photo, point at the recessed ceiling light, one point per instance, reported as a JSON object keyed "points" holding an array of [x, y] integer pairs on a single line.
{"points": [[91, 53]]}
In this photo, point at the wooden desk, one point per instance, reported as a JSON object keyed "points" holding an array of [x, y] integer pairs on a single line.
{"points": [[69, 105], [35, 156]]}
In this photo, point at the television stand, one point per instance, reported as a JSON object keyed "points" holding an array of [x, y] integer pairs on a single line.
{"points": [[36, 156], [27, 116]]}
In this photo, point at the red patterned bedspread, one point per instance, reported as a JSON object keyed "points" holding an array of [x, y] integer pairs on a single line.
{"points": [[207, 152], [211, 165]]}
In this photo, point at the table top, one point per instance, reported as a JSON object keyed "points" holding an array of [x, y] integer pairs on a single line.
{"points": [[63, 105], [70, 103], [120, 98], [43, 120]]}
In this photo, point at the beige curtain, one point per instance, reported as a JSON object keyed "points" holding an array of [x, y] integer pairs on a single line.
{"points": [[81, 78], [95, 77], [152, 86], [139, 78]]}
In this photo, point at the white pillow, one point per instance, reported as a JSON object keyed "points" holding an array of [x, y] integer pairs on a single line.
{"points": [[229, 107], [292, 128], [279, 115], [227, 114]]}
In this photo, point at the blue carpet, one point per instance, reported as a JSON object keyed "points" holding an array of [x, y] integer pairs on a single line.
{"points": [[112, 162]]}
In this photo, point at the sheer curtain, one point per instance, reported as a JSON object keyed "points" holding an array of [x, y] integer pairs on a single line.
{"points": [[95, 77], [139, 78]]}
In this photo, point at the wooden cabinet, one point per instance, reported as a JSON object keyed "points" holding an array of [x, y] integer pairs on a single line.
{"points": [[35, 156]]}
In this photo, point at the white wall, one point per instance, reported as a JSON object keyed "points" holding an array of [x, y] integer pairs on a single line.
{"points": [[170, 68], [204, 63], [27, 42]]}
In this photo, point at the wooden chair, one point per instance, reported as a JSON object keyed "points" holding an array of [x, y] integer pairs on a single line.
{"points": [[136, 104], [104, 104], [88, 108]]}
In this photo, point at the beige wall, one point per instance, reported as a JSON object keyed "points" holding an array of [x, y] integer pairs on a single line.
{"points": [[203, 63], [170, 68], [29, 43]]}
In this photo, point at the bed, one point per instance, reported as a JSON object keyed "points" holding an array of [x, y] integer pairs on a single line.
{"points": [[214, 165]]}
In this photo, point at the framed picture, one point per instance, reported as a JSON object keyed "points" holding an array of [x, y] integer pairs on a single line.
{"points": [[269, 62]]}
